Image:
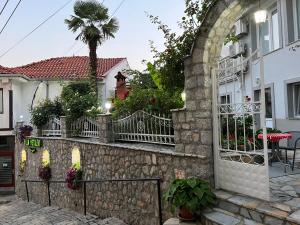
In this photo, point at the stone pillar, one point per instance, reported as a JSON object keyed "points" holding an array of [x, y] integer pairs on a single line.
{"points": [[178, 118], [65, 132], [105, 123]]}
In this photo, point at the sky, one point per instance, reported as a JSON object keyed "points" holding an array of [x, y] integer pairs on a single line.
{"points": [[53, 39]]}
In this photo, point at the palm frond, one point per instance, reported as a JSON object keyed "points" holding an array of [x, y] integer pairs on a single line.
{"points": [[74, 23], [110, 28]]}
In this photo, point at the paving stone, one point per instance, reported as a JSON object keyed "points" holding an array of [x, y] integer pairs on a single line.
{"points": [[247, 202], [272, 221], [256, 216], [245, 213], [280, 206], [295, 217], [287, 188], [294, 203], [19, 212], [221, 218], [251, 222], [265, 208], [223, 194], [230, 207]]}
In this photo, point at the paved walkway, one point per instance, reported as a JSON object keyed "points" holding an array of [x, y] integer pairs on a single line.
{"points": [[18, 212]]}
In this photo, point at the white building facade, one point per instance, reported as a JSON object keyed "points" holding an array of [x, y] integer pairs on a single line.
{"points": [[23, 87], [280, 40]]}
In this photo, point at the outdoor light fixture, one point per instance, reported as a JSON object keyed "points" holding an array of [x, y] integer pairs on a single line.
{"points": [[260, 15], [108, 106], [21, 118], [183, 96]]}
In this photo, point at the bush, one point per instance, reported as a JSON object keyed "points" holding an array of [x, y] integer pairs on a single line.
{"points": [[151, 100], [41, 114], [79, 99]]}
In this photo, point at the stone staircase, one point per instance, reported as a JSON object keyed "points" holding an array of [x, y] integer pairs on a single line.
{"points": [[236, 209]]}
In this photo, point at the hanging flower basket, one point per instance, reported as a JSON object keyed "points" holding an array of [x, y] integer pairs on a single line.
{"points": [[45, 173], [73, 178]]}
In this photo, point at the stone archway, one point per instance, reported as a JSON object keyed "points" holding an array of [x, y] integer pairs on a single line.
{"points": [[194, 124]]}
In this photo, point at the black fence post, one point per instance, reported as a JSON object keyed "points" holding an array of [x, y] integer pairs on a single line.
{"points": [[84, 196], [159, 201], [27, 194], [48, 188]]}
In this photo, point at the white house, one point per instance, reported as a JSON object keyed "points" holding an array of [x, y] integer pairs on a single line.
{"points": [[22, 87], [280, 40]]}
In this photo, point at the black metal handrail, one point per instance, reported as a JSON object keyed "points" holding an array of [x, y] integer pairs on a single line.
{"points": [[157, 180]]}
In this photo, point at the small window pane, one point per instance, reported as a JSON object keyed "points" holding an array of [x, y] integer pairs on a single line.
{"points": [[1, 101], [265, 37], [290, 20], [296, 100], [298, 16], [225, 99], [275, 30]]}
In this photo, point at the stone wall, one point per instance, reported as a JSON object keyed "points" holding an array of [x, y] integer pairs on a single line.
{"points": [[135, 203]]}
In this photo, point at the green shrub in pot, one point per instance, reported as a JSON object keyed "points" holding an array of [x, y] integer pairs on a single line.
{"points": [[190, 195]]}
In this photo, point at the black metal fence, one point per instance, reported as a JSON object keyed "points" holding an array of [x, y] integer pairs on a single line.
{"points": [[157, 182]]}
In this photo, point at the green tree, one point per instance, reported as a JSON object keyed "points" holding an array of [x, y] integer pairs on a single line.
{"points": [[78, 99], [167, 70], [95, 26]]}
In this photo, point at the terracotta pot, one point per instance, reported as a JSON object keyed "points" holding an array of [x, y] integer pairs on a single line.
{"points": [[185, 215]]}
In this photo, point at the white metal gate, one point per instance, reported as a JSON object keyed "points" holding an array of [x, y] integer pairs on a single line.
{"points": [[241, 160]]}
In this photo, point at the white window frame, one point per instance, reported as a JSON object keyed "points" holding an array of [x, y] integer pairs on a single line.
{"points": [[1, 101], [270, 12], [226, 95], [295, 115], [289, 98], [295, 17]]}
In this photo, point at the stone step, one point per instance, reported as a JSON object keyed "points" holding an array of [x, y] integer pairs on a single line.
{"points": [[222, 217], [215, 217], [259, 211]]}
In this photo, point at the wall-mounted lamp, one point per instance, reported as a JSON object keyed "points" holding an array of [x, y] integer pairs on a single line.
{"points": [[107, 106]]}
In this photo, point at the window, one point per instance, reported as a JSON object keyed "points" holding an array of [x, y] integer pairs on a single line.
{"points": [[293, 19], [294, 100], [1, 101], [269, 32], [268, 99], [225, 99]]}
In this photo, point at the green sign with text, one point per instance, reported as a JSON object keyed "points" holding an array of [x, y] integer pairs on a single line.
{"points": [[33, 142]]}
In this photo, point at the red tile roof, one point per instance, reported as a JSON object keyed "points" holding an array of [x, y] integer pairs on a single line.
{"points": [[4, 70], [66, 67]]}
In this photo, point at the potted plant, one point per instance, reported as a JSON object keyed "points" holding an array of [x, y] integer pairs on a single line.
{"points": [[24, 131], [189, 196], [73, 177], [45, 172]]}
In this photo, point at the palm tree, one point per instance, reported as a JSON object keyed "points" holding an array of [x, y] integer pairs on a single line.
{"points": [[91, 19]]}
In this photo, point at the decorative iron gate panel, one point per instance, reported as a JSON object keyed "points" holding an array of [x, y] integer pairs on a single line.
{"points": [[241, 160], [142, 126]]}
